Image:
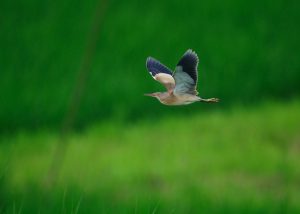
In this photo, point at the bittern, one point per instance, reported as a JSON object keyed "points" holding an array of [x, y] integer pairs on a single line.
{"points": [[181, 84]]}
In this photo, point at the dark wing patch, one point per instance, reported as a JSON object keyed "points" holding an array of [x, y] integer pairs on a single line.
{"points": [[189, 64], [156, 67]]}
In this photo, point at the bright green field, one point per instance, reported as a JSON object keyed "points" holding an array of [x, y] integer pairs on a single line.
{"points": [[242, 160]]}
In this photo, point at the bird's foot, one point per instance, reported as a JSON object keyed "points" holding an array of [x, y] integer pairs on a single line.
{"points": [[211, 100]]}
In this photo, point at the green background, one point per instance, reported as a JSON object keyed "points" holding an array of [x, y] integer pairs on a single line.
{"points": [[114, 150]]}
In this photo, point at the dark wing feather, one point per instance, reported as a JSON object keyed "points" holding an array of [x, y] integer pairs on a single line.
{"points": [[156, 67], [186, 74], [189, 64]]}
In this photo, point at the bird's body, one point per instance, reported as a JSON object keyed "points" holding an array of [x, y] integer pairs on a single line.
{"points": [[179, 99], [181, 84]]}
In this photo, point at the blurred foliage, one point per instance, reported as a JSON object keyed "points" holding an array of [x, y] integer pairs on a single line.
{"points": [[248, 51], [235, 161]]}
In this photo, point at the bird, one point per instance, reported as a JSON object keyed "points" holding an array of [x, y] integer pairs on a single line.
{"points": [[181, 84]]}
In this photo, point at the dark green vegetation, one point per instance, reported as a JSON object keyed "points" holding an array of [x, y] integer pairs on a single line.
{"points": [[122, 152], [248, 51], [237, 161]]}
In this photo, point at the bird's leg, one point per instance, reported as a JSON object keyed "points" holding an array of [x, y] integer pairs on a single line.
{"points": [[210, 100]]}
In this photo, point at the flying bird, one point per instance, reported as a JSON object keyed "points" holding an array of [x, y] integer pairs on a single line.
{"points": [[181, 84]]}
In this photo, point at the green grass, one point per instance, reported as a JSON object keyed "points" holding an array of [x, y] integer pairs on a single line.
{"points": [[243, 160]]}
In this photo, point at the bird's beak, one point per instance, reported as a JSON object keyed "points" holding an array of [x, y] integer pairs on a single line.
{"points": [[150, 95]]}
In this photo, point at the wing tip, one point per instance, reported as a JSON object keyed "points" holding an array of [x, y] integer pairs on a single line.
{"points": [[149, 58], [189, 57], [149, 63], [192, 53]]}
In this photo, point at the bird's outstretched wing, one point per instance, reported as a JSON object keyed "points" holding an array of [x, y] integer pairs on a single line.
{"points": [[186, 74], [161, 73]]}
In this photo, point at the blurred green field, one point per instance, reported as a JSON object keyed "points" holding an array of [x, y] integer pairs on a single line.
{"points": [[239, 160], [127, 153]]}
